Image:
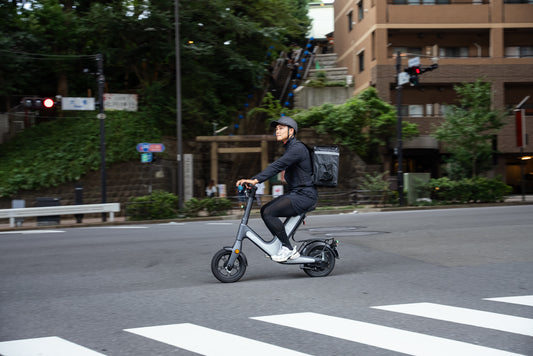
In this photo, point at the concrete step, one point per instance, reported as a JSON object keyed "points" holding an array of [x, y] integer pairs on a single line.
{"points": [[328, 60], [332, 74]]}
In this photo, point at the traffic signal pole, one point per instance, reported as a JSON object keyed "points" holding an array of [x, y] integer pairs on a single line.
{"points": [[399, 148]]}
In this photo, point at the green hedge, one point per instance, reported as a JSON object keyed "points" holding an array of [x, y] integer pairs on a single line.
{"points": [[468, 190], [163, 205]]}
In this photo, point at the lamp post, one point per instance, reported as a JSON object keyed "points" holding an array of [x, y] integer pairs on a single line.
{"points": [[178, 107]]}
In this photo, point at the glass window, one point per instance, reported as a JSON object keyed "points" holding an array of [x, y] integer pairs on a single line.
{"points": [[361, 57], [416, 110], [360, 10], [350, 21], [453, 52]]}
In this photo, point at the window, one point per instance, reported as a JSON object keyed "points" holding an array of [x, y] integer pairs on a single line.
{"points": [[519, 51], [518, 1], [453, 52], [361, 58], [411, 50], [350, 21], [416, 110], [360, 10]]}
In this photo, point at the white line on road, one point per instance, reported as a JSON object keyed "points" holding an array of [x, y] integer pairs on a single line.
{"points": [[27, 232], [388, 338], [44, 346], [483, 319], [522, 299], [210, 342]]}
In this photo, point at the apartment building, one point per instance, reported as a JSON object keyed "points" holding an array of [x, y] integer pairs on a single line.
{"points": [[488, 39]]}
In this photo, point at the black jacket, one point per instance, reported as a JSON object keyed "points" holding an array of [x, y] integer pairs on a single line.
{"points": [[296, 162]]}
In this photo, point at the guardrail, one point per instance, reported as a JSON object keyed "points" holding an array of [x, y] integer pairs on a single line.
{"points": [[11, 214]]}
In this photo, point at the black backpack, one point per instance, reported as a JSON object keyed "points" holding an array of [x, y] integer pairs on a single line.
{"points": [[325, 162]]}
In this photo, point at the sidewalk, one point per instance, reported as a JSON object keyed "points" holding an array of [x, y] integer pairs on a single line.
{"points": [[68, 221]]}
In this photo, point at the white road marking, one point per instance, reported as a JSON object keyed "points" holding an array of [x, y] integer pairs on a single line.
{"points": [[522, 299], [44, 346], [483, 319], [28, 232], [210, 342], [398, 340]]}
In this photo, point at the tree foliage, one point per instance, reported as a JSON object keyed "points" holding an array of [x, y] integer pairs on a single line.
{"points": [[225, 45], [363, 123], [468, 130]]}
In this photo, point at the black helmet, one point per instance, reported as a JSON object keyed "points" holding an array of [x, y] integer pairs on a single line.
{"points": [[287, 121]]}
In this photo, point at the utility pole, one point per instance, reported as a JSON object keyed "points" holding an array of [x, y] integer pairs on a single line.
{"points": [[399, 148], [178, 107], [101, 81]]}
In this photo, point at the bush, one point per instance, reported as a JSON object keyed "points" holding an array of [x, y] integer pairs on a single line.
{"points": [[214, 206], [475, 190], [217, 206], [158, 205], [193, 206]]}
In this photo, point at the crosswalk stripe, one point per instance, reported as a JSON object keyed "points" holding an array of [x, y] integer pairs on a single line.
{"points": [[210, 342], [508, 323], [522, 299], [407, 342], [44, 346]]}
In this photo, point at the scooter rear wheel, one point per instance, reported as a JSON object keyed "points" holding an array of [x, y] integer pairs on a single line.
{"points": [[324, 267], [223, 274]]}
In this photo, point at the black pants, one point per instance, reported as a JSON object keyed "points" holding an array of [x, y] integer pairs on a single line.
{"points": [[271, 213]]}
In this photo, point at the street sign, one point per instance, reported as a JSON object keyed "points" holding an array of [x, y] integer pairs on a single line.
{"points": [[403, 78], [124, 102], [150, 147], [414, 62], [75, 103], [146, 157]]}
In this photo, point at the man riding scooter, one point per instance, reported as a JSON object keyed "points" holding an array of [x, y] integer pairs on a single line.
{"points": [[301, 196]]}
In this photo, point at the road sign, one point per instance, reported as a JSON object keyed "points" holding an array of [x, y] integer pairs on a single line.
{"points": [[146, 157], [403, 78], [414, 62], [124, 102], [74, 103], [150, 147]]}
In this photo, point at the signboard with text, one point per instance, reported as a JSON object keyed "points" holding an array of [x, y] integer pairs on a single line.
{"points": [[123, 102], [75, 103]]}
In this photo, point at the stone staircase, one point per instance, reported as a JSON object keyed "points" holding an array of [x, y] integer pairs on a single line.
{"points": [[328, 63]]}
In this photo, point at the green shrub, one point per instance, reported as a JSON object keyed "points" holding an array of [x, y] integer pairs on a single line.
{"points": [[158, 205], [193, 206], [217, 206], [475, 190]]}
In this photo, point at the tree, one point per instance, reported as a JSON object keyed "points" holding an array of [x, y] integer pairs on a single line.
{"points": [[468, 130], [363, 123], [226, 48]]}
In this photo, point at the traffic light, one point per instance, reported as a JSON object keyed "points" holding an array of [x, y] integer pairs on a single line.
{"points": [[413, 74], [415, 71], [37, 103]]}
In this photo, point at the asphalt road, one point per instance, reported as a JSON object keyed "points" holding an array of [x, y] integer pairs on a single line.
{"points": [[408, 282]]}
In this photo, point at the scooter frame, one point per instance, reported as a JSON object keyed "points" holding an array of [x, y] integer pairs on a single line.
{"points": [[272, 247]]}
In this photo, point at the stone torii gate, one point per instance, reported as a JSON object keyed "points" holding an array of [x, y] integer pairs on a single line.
{"points": [[215, 150]]}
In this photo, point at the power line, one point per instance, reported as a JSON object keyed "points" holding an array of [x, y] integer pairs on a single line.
{"points": [[48, 57]]}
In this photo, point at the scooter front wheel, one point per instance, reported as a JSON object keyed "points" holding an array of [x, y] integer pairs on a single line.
{"points": [[220, 270]]}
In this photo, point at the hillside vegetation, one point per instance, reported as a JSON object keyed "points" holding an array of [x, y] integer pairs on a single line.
{"points": [[64, 149]]}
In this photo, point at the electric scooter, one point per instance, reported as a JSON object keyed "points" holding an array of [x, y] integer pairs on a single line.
{"points": [[317, 256]]}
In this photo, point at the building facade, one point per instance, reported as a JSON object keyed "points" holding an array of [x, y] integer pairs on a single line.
{"points": [[477, 39]]}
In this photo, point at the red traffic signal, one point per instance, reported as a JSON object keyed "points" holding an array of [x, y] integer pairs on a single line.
{"points": [[36, 103], [48, 103]]}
